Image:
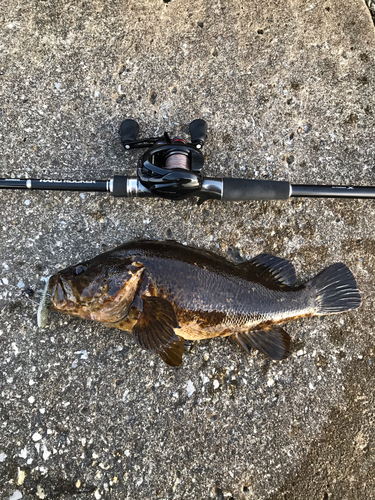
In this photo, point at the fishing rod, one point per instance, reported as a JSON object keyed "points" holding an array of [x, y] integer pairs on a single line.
{"points": [[171, 168]]}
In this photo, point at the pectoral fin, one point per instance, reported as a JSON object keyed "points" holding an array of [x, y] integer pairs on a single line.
{"points": [[273, 341], [154, 330]]}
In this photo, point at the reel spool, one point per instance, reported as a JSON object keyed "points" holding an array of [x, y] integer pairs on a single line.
{"points": [[170, 168]]}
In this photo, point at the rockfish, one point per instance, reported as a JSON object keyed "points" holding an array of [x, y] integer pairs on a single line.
{"points": [[166, 293]]}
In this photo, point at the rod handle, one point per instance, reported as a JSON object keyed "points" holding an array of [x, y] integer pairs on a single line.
{"points": [[249, 189], [120, 186]]}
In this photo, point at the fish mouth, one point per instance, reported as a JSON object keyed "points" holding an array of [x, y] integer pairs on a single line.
{"points": [[62, 294]]}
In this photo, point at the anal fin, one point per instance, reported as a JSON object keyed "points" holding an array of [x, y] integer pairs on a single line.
{"points": [[272, 341], [154, 330]]}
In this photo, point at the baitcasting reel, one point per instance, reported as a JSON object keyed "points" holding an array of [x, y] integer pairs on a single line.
{"points": [[170, 168]]}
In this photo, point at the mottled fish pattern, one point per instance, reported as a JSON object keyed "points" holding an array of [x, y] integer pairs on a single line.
{"points": [[166, 293]]}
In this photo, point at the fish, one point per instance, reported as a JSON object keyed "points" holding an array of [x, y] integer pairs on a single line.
{"points": [[166, 293]]}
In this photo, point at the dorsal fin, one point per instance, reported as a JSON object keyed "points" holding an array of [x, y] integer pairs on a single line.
{"points": [[270, 270]]}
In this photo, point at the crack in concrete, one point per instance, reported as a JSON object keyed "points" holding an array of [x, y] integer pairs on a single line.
{"points": [[371, 6]]}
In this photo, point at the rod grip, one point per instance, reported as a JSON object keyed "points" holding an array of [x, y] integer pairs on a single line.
{"points": [[249, 189], [120, 186]]}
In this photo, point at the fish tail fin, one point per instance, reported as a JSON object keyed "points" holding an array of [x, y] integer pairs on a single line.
{"points": [[336, 290]]}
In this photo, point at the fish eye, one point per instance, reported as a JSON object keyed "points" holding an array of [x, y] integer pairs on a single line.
{"points": [[80, 269]]}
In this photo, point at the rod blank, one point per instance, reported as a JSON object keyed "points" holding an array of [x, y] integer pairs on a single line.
{"points": [[56, 185], [226, 189], [332, 191]]}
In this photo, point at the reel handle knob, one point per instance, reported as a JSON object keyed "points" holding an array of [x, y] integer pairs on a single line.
{"points": [[198, 132], [128, 132]]}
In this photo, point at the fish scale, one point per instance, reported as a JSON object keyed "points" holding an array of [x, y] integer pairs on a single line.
{"points": [[164, 292]]}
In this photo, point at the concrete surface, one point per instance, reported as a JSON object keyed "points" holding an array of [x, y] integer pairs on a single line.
{"points": [[287, 89]]}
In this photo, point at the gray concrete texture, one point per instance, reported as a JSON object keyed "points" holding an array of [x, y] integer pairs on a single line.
{"points": [[287, 90]]}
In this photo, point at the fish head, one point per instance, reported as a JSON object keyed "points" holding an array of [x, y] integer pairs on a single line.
{"points": [[102, 290]]}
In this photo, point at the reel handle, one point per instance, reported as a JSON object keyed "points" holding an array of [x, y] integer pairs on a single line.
{"points": [[198, 132], [128, 131]]}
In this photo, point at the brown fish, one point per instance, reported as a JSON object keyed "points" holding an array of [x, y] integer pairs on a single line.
{"points": [[165, 292]]}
